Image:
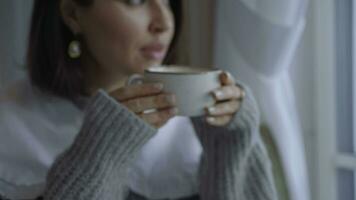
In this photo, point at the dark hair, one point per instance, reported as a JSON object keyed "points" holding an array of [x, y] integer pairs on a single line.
{"points": [[50, 68]]}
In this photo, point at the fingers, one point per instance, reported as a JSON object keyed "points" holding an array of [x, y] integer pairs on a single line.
{"points": [[148, 102], [219, 121], [225, 108], [142, 104], [228, 92], [135, 91], [160, 117], [228, 99]]}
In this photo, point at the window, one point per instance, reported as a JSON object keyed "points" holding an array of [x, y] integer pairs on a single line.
{"points": [[346, 99], [336, 99]]}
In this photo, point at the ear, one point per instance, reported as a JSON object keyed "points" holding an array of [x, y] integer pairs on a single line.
{"points": [[69, 12]]}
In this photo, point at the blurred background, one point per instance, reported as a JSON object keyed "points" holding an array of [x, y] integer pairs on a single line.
{"points": [[298, 58]]}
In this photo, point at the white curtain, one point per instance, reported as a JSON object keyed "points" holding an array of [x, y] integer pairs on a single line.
{"points": [[256, 40], [14, 23]]}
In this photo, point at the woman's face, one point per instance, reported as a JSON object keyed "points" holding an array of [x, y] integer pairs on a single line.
{"points": [[126, 36]]}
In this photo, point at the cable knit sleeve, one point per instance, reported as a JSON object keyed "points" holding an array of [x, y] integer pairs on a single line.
{"points": [[95, 165], [235, 164]]}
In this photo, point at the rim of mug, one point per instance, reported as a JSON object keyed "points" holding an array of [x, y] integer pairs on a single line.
{"points": [[206, 70]]}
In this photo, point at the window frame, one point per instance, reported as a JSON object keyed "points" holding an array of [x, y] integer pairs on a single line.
{"points": [[328, 159], [324, 171], [351, 162]]}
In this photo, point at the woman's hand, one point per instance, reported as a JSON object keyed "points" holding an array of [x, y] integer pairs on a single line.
{"points": [[228, 100], [148, 102]]}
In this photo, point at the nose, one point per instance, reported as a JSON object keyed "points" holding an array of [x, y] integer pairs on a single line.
{"points": [[162, 18]]}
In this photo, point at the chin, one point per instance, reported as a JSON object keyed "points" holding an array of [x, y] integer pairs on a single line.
{"points": [[139, 69]]}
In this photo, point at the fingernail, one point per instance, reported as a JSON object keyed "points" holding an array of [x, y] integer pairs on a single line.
{"points": [[229, 75], [210, 119], [211, 110], [218, 94]]}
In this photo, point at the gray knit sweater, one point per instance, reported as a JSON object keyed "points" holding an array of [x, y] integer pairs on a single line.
{"points": [[234, 165]]}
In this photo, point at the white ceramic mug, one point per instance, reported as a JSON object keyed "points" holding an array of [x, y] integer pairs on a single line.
{"points": [[192, 86]]}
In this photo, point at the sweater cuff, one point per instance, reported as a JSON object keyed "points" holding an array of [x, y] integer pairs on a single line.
{"points": [[111, 135], [248, 115], [244, 124], [110, 124]]}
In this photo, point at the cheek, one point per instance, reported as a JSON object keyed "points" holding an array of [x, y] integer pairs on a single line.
{"points": [[112, 37]]}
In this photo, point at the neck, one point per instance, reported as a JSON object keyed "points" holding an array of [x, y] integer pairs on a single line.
{"points": [[97, 77]]}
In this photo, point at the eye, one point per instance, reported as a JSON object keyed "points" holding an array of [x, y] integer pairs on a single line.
{"points": [[135, 2]]}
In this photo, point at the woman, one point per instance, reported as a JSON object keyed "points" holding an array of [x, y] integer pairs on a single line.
{"points": [[81, 53]]}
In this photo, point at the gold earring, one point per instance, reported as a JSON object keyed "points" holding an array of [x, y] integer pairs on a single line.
{"points": [[74, 49]]}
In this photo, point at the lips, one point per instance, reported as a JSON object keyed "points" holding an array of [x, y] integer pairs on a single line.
{"points": [[154, 51]]}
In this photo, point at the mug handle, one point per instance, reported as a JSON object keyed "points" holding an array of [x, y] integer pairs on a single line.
{"points": [[135, 79]]}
